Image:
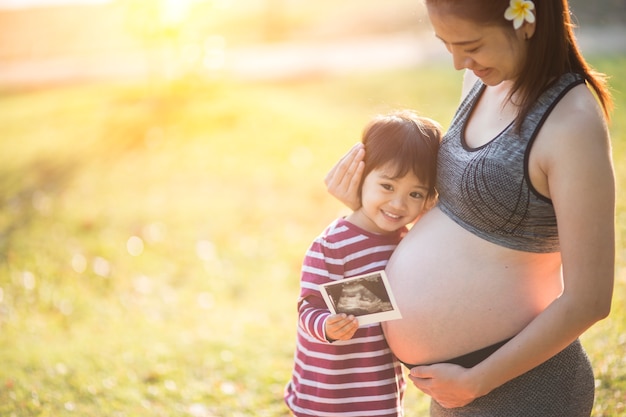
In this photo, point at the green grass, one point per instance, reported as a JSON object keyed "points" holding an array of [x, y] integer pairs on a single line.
{"points": [[220, 185]]}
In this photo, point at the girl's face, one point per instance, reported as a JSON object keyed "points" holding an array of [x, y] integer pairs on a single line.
{"points": [[490, 52], [389, 203]]}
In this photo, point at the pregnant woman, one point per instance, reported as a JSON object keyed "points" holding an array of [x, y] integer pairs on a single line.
{"points": [[497, 282]]}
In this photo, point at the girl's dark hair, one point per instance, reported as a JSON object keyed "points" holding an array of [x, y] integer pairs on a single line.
{"points": [[552, 50], [406, 140]]}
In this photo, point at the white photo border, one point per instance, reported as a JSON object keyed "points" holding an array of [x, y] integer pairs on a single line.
{"points": [[369, 318]]}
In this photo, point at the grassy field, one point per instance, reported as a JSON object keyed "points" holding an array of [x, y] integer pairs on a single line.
{"points": [[151, 238]]}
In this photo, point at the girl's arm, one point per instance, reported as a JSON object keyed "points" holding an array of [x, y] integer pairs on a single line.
{"points": [[319, 323], [314, 318]]}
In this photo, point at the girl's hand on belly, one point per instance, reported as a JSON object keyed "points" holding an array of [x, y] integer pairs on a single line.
{"points": [[446, 383]]}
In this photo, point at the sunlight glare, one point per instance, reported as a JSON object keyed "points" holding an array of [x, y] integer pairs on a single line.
{"points": [[175, 12], [20, 4], [222, 4], [214, 52]]}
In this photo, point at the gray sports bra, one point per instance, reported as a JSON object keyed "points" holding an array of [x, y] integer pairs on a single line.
{"points": [[487, 190]]}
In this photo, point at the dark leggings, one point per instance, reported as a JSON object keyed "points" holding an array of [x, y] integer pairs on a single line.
{"points": [[563, 386]]}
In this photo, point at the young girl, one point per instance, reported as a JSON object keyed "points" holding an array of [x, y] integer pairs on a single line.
{"points": [[340, 368]]}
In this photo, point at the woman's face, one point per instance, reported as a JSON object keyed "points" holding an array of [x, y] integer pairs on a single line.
{"points": [[490, 52]]}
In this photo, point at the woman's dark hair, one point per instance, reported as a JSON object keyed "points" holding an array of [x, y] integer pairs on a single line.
{"points": [[406, 140], [552, 50]]}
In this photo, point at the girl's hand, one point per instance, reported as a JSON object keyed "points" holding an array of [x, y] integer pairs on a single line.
{"points": [[340, 327], [343, 180], [448, 384]]}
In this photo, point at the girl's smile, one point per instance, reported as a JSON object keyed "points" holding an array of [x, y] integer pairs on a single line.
{"points": [[388, 202]]}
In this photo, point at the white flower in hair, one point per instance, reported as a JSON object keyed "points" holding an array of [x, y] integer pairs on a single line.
{"points": [[520, 10]]}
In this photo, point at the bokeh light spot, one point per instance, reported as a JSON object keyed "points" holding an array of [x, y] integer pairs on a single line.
{"points": [[134, 245], [170, 385], [101, 267], [79, 263], [28, 280], [154, 232], [199, 410], [60, 368], [227, 356], [65, 307], [142, 285], [205, 300], [205, 250]]}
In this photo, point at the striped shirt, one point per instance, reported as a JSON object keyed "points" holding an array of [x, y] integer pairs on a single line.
{"points": [[352, 378]]}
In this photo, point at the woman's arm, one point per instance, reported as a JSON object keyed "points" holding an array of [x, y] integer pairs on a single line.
{"points": [[570, 163], [576, 159], [343, 180]]}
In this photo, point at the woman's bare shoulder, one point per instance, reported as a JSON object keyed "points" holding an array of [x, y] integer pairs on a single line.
{"points": [[573, 146], [578, 117]]}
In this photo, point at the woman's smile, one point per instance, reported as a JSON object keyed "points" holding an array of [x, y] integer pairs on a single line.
{"points": [[481, 73]]}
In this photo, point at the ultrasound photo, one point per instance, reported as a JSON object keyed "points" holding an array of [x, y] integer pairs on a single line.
{"points": [[366, 296]]}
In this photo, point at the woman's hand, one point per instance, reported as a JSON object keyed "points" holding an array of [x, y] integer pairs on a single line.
{"points": [[340, 327], [446, 383], [343, 180]]}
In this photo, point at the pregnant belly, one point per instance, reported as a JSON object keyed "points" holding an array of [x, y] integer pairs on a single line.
{"points": [[458, 293]]}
